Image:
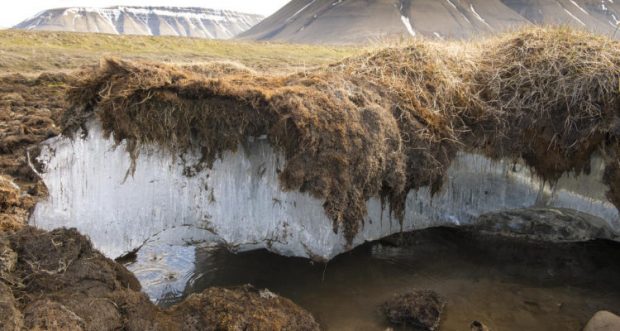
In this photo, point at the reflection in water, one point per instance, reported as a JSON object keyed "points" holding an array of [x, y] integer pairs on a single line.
{"points": [[506, 284], [164, 270]]}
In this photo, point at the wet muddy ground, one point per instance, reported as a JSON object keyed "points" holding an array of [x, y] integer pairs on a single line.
{"points": [[504, 283]]}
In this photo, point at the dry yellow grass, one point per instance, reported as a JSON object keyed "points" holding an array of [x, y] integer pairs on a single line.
{"points": [[382, 123], [37, 68], [14, 207], [36, 51]]}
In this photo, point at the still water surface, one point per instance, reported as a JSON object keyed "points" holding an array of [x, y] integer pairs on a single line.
{"points": [[507, 285]]}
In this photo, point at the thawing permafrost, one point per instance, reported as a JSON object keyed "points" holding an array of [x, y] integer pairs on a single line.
{"points": [[239, 201]]}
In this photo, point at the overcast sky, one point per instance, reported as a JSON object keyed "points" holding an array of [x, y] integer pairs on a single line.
{"points": [[15, 11]]}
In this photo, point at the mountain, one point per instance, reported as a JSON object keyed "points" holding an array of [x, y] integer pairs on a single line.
{"points": [[352, 21], [156, 21]]}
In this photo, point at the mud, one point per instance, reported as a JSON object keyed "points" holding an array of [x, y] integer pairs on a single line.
{"points": [[57, 281]]}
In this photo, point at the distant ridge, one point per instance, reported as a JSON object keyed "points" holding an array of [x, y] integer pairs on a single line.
{"points": [[354, 21], [156, 21]]}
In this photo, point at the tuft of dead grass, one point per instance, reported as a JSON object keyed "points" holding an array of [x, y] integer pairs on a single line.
{"points": [[383, 123], [14, 207], [242, 308]]}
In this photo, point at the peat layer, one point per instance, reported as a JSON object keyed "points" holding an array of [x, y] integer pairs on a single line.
{"points": [[30, 109], [383, 123]]}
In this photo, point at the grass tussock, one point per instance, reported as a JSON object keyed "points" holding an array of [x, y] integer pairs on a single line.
{"points": [[382, 123], [14, 207]]}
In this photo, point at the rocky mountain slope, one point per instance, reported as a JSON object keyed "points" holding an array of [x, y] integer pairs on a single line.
{"points": [[348, 21], [169, 21]]}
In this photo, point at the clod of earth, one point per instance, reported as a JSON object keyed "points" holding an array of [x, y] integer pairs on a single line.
{"points": [[381, 124], [418, 308], [14, 207], [30, 107], [64, 284]]}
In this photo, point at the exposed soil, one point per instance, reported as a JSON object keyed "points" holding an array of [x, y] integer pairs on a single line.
{"points": [[57, 281], [30, 109], [419, 308], [384, 123]]}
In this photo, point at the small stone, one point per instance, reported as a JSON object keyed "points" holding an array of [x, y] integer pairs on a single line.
{"points": [[478, 326], [603, 321], [419, 308]]}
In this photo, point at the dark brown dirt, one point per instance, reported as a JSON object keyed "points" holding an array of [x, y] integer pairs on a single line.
{"points": [[419, 308], [10, 317], [30, 109], [381, 124], [57, 281]]}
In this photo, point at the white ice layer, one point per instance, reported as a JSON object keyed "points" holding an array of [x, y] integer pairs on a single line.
{"points": [[240, 201]]}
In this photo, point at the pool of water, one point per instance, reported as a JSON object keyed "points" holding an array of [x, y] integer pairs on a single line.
{"points": [[506, 284]]}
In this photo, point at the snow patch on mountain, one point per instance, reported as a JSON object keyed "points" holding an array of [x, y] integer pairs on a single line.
{"points": [[180, 21], [407, 24], [574, 17], [473, 10]]}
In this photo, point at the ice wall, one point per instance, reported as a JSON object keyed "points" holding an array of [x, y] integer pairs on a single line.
{"points": [[240, 203]]}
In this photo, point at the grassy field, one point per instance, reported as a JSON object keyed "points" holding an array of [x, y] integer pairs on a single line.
{"points": [[29, 52]]}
